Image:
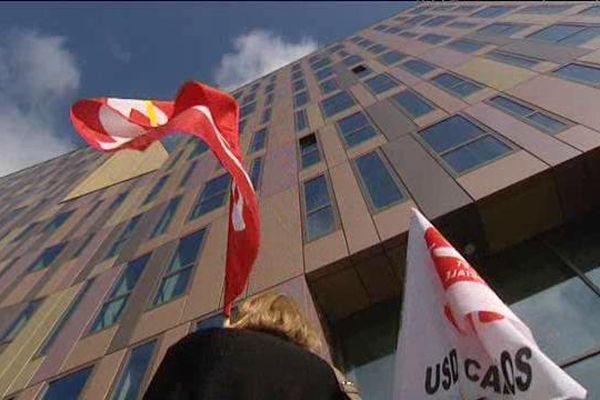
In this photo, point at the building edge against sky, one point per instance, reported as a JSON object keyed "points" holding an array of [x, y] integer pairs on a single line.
{"points": [[482, 115]]}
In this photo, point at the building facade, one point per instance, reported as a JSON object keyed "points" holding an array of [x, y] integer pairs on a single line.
{"points": [[484, 115]]}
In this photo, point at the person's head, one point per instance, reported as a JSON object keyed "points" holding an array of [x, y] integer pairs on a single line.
{"points": [[279, 315]]}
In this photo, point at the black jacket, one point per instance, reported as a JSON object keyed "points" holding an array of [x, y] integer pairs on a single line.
{"points": [[233, 364]]}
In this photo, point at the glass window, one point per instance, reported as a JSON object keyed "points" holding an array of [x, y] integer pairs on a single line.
{"points": [[300, 99], [25, 232], [361, 71], [580, 73], [437, 21], [466, 46], [329, 86], [593, 11], [324, 73], [68, 387], [256, 172], [457, 86], [321, 63], [156, 189], [297, 75], [336, 103], [19, 323], [119, 200], [433, 38], [356, 129], [319, 214], [266, 117], [298, 85], [300, 120], [377, 48], [215, 321], [546, 9], [417, 19], [365, 43], [125, 235], [115, 304], [380, 27], [503, 28], [465, 8], [166, 217], [309, 150], [462, 25], [175, 279], [247, 109], [512, 59], [269, 99], [242, 125], [381, 83], [381, 188], [353, 59], [417, 67], [214, 195], [462, 144], [542, 120], [47, 257], [408, 35], [65, 318], [412, 103], [174, 161], [188, 174], [567, 34], [83, 245], [258, 140], [391, 57], [57, 221], [132, 377], [492, 11]]}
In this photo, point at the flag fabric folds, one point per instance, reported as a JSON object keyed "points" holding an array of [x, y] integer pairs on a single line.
{"points": [[458, 340], [113, 124]]}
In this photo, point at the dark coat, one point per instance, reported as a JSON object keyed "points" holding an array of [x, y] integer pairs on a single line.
{"points": [[234, 364]]}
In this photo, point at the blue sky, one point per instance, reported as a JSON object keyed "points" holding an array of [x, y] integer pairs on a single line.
{"points": [[53, 53]]}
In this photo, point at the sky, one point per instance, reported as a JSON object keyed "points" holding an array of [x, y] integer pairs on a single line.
{"points": [[51, 54]]}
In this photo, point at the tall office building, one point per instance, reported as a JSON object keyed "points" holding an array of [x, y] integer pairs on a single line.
{"points": [[484, 115]]}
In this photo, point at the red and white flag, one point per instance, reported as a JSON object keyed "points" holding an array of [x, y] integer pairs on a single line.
{"points": [[458, 340], [112, 124]]}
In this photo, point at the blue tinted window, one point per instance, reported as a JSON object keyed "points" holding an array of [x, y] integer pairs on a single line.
{"points": [[329, 86], [462, 25], [465, 8], [266, 117], [298, 85], [297, 75], [475, 153], [256, 172], [134, 372], [492, 12], [365, 43], [199, 148], [502, 28], [412, 104], [83, 245], [324, 73], [247, 109], [300, 120], [319, 218], [437, 21], [592, 11], [336, 103], [539, 119], [68, 387], [351, 60], [381, 83], [377, 48], [175, 160], [433, 38], [118, 201], [546, 9], [214, 195], [458, 86], [125, 235], [381, 27], [25, 232], [166, 217], [356, 129], [408, 34], [391, 57], [175, 280], [47, 257], [381, 188], [512, 59], [300, 99], [320, 63], [417, 67], [580, 73], [19, 323], [156, 189], [57, 221], [309, 150], [258, 140], [567, 34], [466, 46], [451, 133], [188, 174], [115, 304]]}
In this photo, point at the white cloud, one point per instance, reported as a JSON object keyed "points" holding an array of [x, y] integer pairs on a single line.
{"points": [[38, 75], [257, 53]]}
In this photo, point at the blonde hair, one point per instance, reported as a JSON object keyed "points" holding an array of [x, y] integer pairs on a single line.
{"points": [[278, 314]]}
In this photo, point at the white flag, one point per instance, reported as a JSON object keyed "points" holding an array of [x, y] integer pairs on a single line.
{"points": [[458, 340]]}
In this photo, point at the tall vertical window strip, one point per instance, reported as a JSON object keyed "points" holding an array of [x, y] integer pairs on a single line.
{"points": [[356, 129], [309, 150], [258, 140], [382, 190], [174, 161], [166, 217], [188, 174], [156, 189], [47, 257], [266, 116], [58, 221], [132, 377], [115, 304], [125, 235], [25, 232], [68, 387], [118, 201], [20, 322], [256, 172], [199, 148], [300, 99], [213, 196], [175, 280], [83, 245], [65, 318], [319, 218], [568, 34], [300, 120]]}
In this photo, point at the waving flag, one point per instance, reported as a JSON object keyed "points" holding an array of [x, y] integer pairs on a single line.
{"points": [[459, 340], [111, 124]]}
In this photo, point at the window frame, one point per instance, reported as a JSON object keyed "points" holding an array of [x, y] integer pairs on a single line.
{"points": [[260, 172], [418, 75], [251, 149], [91, 365], [116, 382], [200, 199], [579, 81], [419, 96], [343, 137], [388, 78], [490, 55], [340, 93], [304, 211], [582, 25], [456, 76], [303, 112], [299, 152], [175, 200]]}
